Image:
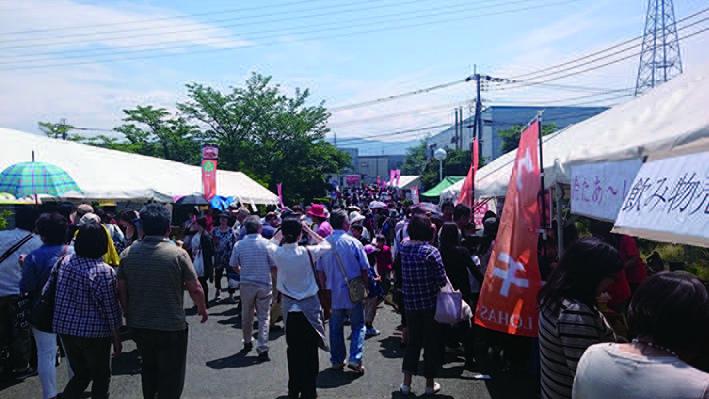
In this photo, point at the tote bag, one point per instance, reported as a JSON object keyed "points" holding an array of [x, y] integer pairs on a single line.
{"points": [[449, 305]]}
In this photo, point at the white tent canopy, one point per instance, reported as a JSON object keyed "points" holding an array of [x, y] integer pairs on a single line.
{"points": [[671, 119], [109, 174], [406, 182]]}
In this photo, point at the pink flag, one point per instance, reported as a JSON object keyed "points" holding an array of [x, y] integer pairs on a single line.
{"points": [[415, 194], [392, 176], [397, 173], [280, 194]]}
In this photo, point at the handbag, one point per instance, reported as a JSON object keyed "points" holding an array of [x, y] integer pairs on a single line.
{"points": [[356, 287], [42, 314], [324, 296], [449, 305]]}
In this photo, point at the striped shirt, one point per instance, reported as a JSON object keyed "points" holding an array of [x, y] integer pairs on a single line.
{"points": [[564, 334], [254, 256]]}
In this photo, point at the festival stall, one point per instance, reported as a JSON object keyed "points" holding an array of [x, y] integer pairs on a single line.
{"points": [[108, 174], [406, 182], [448, 181]]}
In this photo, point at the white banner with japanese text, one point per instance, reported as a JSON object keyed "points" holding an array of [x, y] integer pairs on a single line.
{"points": [[598, 189], [669, 201]]}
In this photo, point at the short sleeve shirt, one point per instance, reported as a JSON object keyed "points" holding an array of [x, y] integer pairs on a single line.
{"points": [[155, 271]]}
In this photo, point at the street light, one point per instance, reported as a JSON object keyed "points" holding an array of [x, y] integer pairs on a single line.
{"points": [[440, 154]]}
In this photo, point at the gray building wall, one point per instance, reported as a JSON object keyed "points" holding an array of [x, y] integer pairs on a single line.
{"points": [[498, 118], [369, 167]]}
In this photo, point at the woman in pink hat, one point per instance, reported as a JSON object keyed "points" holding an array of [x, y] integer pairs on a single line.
{"points": [[319, 214]]}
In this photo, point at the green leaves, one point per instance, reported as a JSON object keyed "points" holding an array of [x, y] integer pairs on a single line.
{"points": [[261, 131]]}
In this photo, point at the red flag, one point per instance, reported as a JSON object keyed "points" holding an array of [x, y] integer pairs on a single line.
{"points": [[466, 196], [210, 154], [508, 297]]}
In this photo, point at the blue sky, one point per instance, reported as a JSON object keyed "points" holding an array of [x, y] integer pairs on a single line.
{"points": [[343, 51]]}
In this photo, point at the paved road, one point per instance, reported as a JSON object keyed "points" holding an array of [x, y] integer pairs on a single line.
{"points": [[216, 370]]}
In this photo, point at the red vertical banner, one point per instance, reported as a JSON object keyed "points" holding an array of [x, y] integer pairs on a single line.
{"points": [[210, 155], [508, 297], [467, 191]]}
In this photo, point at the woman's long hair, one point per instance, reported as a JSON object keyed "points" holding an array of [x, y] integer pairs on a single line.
{"points": [[449, 237], [581, 269]]}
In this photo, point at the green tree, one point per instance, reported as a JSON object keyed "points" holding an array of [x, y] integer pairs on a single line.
{"points": [[510, 137], [267, 134], [155, 132], [416, 163], [59, 130]]}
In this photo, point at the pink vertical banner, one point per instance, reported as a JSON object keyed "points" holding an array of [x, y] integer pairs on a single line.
{"points": [[392, 177], [279, 186], [397, 173]]}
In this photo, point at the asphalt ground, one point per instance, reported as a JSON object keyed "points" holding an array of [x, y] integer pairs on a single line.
{"points": [[217, 369]]}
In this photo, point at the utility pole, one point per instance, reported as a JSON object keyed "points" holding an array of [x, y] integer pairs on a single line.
{"points": [[660, 58], [457, 130]]}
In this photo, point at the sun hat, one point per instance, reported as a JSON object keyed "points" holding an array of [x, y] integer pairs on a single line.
{"points": [[318, 210], [356, 217]]}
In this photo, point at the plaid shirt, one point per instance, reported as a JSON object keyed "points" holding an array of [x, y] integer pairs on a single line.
{"points": [[86, 302], [422, 275]]}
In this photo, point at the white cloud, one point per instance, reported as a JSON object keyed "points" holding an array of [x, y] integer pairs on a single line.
{"points": [[66, 25]]}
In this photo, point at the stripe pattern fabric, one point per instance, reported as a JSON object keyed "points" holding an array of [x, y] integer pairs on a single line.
{"points": [[565, 332]]}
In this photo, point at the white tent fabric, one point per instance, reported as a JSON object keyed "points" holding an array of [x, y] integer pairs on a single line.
{"points": [[672, 119], [109, 174], [406, 182]]}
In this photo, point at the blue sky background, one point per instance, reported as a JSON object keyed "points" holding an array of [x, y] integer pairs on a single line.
{"points": [[71, 64]]}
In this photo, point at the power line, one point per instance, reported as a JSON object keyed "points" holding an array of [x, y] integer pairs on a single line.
{"points": [[154, 31], [418, 111], [271, 33], [394, 133], [347, 34], [587, 56], [142, 21]]}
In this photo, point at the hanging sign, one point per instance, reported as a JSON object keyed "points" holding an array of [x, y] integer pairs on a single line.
{"points": [[669, 201], [598, 188]]}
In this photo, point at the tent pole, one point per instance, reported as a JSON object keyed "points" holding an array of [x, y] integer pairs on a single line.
{"points": [[559, 219]]}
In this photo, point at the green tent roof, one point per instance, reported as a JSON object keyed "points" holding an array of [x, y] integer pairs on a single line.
{"points": [[440, 187]]}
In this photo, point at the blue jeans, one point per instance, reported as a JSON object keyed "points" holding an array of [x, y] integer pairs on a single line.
{"points": [[337, 337]]}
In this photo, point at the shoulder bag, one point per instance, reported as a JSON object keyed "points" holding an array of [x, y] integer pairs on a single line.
{"points": [[356, 287], [42, 313]]}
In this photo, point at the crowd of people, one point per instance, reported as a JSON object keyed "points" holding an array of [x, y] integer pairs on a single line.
{"points": [[606, 325]]}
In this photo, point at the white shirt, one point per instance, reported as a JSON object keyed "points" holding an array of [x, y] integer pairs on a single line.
{"points": [[294, 277], [605, 372], [10, 270], [198, 261]]}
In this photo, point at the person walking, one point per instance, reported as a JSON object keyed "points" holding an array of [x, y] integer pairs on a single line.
{"points": [[669, 314], [51, 228], [87, 315], [224, 240], [423, 275], [463, 275], [569, 321], [202, 248], [253, 257], [15, 337], [297, 284], [151, 279], [346, 261]]}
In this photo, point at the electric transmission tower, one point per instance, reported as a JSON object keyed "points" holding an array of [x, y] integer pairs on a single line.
{"points": [[660, 58]]}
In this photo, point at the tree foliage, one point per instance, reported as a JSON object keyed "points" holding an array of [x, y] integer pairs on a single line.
{"points": [[59, 130], [417, 163], [510, 137], [260, 131]]}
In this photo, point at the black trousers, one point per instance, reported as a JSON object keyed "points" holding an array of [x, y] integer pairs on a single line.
{"points": [[15, 339], [90, 360], [220, 272], [424, 333], [303, 365], [164, 357]]}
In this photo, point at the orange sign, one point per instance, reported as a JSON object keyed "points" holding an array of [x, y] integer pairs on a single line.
{"points": [[508, 297]]}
